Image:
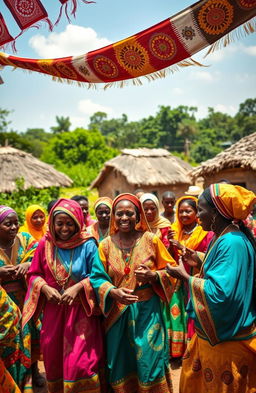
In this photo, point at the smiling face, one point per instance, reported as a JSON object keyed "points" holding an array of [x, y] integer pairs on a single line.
{"points": [[9, 227], [103, 215], [125, 216], [38, 219], [150, 210], [64, 226], [187, 214]]}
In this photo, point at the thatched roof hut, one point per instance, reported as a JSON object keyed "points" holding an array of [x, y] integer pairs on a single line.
{"points": [[154, 170], [16, 164], [236, 164]]}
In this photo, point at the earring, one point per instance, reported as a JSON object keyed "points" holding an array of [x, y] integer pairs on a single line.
{"points": [[213, 224]]}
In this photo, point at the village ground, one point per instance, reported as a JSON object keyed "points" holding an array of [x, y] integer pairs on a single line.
{"points": [[175, 372]]}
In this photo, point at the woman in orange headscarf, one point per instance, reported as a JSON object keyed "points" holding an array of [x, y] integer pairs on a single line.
{"points": [[35, 222], [100, 229]]}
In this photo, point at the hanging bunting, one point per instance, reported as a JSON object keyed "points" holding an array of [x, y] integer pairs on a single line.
{"points": [[5, 36], [26, 12], [167, 45]]}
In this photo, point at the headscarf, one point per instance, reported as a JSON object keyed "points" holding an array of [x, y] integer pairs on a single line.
{"points": [[232, 202], [197, 235], [72, 209], [28, 225], [142, 225], [5, 211], [103, 201], [159, 221]]}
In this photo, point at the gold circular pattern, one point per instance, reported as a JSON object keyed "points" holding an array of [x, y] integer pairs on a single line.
{"points": [[246, 4], [132, 57], [162, 46], [151, 334], [215, 16], [25, 8], [65, 70], [105, 66]]}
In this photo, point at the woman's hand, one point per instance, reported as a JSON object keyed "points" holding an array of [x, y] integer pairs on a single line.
{"points": [[123, 295], [144, 274], [171, 234], [52, 294], [7, 271], [21, 269], [178, 271], [191, 258], [177, 244], [70, 294]]}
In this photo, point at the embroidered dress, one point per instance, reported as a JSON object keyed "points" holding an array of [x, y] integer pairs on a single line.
{"points": [[95, 231], [180, 328], [18, 365], [71, 336], [9, 334], [221, 357], [136, 338]]}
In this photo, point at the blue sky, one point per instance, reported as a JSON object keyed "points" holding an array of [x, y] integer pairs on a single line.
{"points": [[36, 100]]}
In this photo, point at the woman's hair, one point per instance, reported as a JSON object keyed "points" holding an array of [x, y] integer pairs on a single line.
{"points": [[50, 205], [190, 202], [78, 198]]}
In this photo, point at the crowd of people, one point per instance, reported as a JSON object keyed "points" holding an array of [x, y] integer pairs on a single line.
{"points": [[108, 304]]}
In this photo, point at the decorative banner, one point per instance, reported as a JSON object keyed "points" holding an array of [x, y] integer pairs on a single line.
{"points": [[26, 12], [151, 51], [5, 36]]}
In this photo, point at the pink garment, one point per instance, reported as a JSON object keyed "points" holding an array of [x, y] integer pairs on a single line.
{"points": [[89, 221], [164, 237]]}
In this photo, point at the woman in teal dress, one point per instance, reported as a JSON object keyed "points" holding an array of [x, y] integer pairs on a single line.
{"points": [[129, 280], [16, 253]]}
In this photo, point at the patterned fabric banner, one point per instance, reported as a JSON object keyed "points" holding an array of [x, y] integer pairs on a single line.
{"points": [[5, 36], [151, 51], [26, 12]]}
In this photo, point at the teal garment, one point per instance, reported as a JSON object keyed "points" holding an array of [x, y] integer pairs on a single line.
{"points": [[228, 278], [137, 343]]}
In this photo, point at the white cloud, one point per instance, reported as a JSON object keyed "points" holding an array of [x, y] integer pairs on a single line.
{"points": [[74, 40], [177, 91], [250, 50], [229, 109], [77, 122], [202, 76], [89, 108]]}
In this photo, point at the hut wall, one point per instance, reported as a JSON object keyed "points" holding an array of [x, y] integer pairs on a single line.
{"points": [[115, 183], [243, 177]]}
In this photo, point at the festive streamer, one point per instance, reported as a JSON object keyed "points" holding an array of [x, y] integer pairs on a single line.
{"points": [[149, 53], [5, 36]]}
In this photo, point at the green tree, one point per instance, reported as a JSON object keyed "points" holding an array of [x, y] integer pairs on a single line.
{"points": [[63, 125], [3, 119]]}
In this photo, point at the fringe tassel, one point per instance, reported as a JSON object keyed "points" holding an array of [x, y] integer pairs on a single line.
{"points": [[240, 32]]}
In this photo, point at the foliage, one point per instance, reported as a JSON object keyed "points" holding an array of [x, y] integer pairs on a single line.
{"points": [[63, 125], [20, 199], [3, 119]]}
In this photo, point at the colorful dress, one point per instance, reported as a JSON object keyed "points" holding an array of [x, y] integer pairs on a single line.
{"points": [[136, 338], [95, 231], [221, 356], [180, 328], [71, 336], [9, 335], [19, 357]]}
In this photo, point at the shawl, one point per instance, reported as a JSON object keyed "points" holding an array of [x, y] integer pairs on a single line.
{"points": [[160, 221], [103, 201], [5, 211], [28, 225], [196, 236], [142, 225], [73, 209], [168, 44], [232, 202]]}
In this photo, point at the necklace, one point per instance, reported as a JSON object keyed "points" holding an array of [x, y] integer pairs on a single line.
{"points": [[127, 252], [189, 232], [60, 280]]}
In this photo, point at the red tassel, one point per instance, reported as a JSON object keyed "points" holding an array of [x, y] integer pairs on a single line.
{"points": [[60, 15], [66, 12], [49, 24], [73, 12]]}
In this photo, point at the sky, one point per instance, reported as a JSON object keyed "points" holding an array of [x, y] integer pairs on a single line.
{"points": [[228, 79]]}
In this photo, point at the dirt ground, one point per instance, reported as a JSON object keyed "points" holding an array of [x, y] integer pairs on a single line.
{"points": [[175, 371]]}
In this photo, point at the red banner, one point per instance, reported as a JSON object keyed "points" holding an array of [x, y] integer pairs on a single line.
{"points": [[5, 36], [26, 12]]}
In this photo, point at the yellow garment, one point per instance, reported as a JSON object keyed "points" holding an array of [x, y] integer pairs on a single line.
{"points": [[191, 241], [228, 367], [7, 384], [159, 221], [103, 201], [232, 201], [28, 226]]}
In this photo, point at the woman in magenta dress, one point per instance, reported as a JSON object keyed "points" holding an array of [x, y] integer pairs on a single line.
{"points": [[71, 336]]}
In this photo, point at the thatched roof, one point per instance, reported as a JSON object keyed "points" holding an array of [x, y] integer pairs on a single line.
{"points": [[240, 155], [148, 167], [15, 164]]}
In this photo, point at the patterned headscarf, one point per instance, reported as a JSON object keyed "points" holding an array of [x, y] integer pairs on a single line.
{"points": [[103, 201], [159, 221], [232, 202], [28, 225], [73, 210], [5, 211], [142, 225]]}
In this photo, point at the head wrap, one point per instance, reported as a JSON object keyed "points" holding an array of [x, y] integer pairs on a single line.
{"points": [[142, 225], [159, 222], [28, 225], [177, 225], [232, 202], [73, 210], [5, 211], [103, 201]]}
